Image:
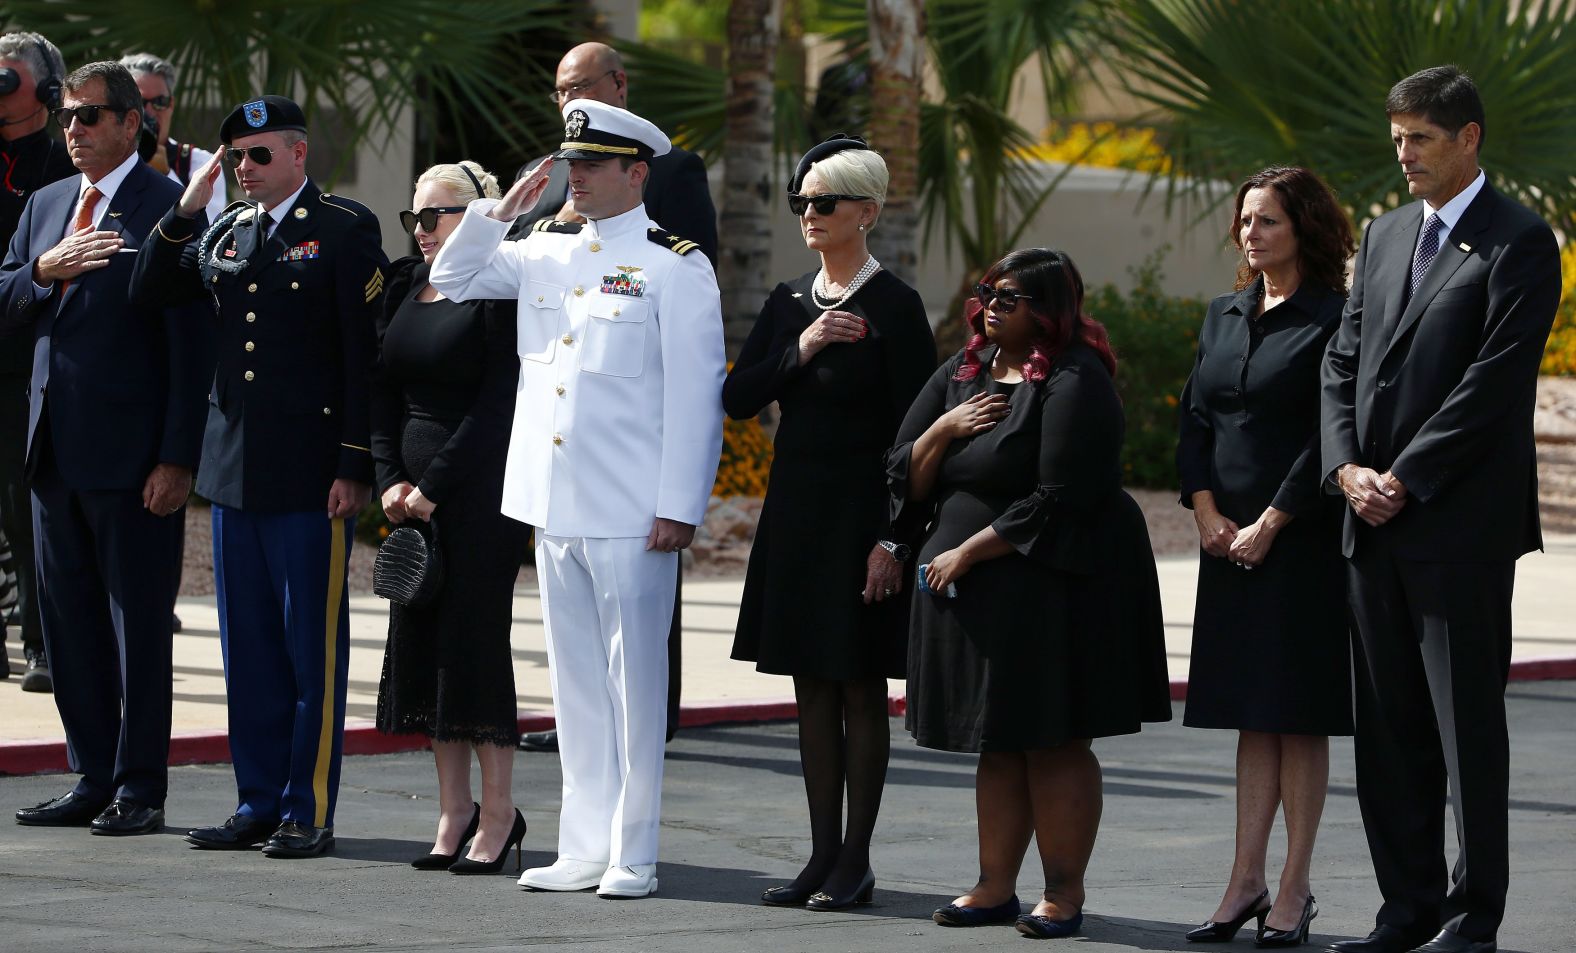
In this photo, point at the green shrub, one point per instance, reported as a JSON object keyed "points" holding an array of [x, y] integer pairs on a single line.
{"points": [[1155, 336]]}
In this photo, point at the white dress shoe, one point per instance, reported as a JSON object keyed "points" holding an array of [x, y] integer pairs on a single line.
{"points": [[637, 881], [566, 873]]}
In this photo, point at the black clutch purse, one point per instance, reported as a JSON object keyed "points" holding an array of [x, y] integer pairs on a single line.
{"points": [[409, 568]]}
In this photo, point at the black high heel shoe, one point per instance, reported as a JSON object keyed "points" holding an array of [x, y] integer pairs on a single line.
{"points": [[444, 861], [864, 893], [1226, 930], [1296, 936], [516, 834]]}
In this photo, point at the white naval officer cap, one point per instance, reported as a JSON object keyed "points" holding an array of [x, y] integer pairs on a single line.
{"points": [[595, 130]]}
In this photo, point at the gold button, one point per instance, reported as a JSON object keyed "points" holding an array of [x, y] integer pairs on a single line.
{"points": [[249, 375], [295, 286], [215, 279], [596, 246], [557, 439], [559, 390], [327, 411], [569, 339], [251, 346], [540, 299], [617, 312], [251, 287], [579, 291]]}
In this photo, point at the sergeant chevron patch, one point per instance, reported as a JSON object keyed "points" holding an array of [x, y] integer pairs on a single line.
{"points": [[374, 284]]}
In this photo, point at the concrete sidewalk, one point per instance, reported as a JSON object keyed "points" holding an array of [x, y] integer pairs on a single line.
{"points": [[716, 688]]}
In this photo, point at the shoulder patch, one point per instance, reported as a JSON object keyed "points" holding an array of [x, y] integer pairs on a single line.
{"points": [[675, 244], [343, 204], [556, 227]]}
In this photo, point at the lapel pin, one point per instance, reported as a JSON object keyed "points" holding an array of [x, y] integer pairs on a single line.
{"points": [[300, 213], [114, 214], [798, 294]]}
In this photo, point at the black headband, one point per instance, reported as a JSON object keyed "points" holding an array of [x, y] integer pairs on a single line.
{"points": [[481, 193], [832, 146]]}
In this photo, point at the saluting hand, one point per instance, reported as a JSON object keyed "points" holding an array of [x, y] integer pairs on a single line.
{"points": [[82, 251], [523, 194], [199, 191]]}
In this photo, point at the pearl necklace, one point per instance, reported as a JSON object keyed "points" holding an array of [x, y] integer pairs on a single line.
{"points": [[823, 298]]}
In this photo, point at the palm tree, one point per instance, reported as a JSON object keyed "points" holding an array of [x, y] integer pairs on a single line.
{"points": [[1241, 86], [897, 57], [359, 63], [747, 172]]}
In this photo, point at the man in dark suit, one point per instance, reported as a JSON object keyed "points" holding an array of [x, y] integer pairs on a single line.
{"points": [[678, 198], [114, 428], [1429, 389], [30, 158], [297, 276]]}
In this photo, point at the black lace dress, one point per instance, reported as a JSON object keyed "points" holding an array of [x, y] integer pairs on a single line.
{"points": [[443, 404]]}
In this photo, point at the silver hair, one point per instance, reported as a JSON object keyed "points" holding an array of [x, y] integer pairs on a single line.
{"points": [[854, 172], [144, 64], [452, 175], [25, 47]]}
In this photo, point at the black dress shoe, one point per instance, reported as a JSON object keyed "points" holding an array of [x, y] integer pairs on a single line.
{"points": [[36, 677], [539, 741], [862, 894], [125, 816], [69, 810], [239, 832], [1449, 941], [294, 839], [1384, 939]]}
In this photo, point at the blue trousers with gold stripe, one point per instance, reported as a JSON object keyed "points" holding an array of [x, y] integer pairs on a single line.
{"points": [[284, 624]]}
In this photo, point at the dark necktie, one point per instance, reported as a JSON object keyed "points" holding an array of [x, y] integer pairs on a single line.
{"points": [[1426, 250]]}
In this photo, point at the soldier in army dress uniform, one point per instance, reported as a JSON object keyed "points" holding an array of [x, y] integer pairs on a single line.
{"points": [[617, 431], [297, 277]]}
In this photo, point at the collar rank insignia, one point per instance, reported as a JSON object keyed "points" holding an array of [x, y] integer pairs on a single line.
{"points": [[626, 282], [301, 252]]}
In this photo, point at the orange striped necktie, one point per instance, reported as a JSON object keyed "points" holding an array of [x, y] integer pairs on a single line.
{"points": [[90, 201]]}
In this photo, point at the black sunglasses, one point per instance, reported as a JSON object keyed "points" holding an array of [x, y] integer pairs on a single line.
{"points": [[260, 155], [87, 115], [824, 204], [427, 217], [157, 102], [1006, 301]]}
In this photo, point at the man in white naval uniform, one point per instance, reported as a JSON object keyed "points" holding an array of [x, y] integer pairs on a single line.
{"points": [[617, 432]]}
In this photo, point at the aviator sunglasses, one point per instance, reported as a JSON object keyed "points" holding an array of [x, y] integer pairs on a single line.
{"points": [[1006, 301], [427, 217], [87, 115], [260, 155], [823, 204]]}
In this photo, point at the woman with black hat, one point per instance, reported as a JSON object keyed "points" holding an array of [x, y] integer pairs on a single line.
{"points": [[843, 350]]}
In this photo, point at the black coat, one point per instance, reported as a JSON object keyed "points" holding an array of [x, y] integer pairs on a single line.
{"points": [[288, 412], [1446, 400], [27, 164]]}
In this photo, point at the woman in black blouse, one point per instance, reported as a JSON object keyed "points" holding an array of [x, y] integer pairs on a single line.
{"points": [[443, 403], [843, 350], [1270, 645], [1037, 627]]}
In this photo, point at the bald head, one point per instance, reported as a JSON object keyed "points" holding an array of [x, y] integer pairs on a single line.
{"points": [[592, 71]]}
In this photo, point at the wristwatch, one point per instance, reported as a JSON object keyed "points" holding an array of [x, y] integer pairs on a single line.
{"points": [[900, 551]]}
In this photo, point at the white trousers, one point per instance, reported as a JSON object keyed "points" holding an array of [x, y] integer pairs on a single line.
{"points": [[607, 605]]}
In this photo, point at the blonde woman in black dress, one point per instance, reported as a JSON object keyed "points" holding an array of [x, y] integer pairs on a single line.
{"points": [[842, 350], [443, 402]]}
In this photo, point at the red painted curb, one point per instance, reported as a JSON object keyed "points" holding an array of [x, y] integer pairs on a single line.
{"points": [[48, 756]]}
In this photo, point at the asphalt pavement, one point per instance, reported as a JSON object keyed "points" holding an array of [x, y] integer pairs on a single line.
{"points": [[734, 824]]}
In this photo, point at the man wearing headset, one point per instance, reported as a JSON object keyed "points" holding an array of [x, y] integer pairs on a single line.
{"points": [[30, 158]]}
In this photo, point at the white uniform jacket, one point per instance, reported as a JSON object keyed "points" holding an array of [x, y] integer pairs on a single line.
{"points": [[618, 418]]}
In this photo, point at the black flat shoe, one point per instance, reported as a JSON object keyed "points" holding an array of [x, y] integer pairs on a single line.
{"points": [[294, 839], [125, 816], [539, 741], [1044, 928], [787, 896], [445, 861], [1225, 931], [864, 893], [953, 915], [238, 832], [516, 835], [69, 810], [1296, 936]]}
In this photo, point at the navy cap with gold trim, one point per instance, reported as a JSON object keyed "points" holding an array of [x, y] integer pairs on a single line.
{"points": [[264, 114], [595, 130]]}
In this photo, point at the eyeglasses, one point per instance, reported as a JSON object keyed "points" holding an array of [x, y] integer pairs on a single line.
{"points": [[565, 93], [157, 102], [260, 155], [823, 204], [427, 218], [1006, 301], [87, 115]]}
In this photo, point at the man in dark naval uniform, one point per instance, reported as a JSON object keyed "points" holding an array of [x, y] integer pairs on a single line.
{"points": [[30, 158], [678, 199], [297, 276]]}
